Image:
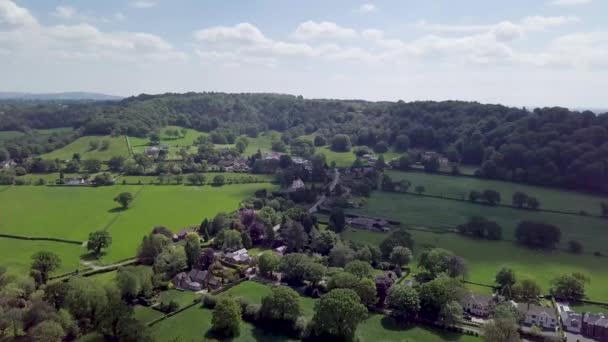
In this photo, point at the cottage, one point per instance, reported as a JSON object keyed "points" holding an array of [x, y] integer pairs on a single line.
{"points": [[199, 276], [476, 304], [595, 326], [368, 223], [238, 257], [572, 321], [182, 281], [541, 316], [213, 282], [180, 235]]}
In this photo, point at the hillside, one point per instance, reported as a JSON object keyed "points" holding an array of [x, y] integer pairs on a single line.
{"points": [[546, 146]]}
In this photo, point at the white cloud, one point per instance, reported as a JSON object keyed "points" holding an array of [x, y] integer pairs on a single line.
{"points": [[84, 40], [368, 8], [322, 30], [64, 12], [12, 15], [119, 16], [531, 23], [571, 2], [540, 23], [144, 3]]}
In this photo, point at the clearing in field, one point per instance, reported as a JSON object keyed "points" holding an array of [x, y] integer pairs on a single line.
{"points": [[413, 210], [117, 147], [485, 258], [459, 187]]}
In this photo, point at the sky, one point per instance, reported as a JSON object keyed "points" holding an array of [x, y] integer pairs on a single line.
{"points": [[516, 52]]}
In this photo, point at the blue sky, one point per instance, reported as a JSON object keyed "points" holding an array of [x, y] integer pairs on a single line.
{"points": [[533, 53]]}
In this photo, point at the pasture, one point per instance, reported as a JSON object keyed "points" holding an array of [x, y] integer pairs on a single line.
{"points": [[413, 210], [485, 258], [72, 213], [117, 147], [459, 187], [230, 177], [380, 328]]}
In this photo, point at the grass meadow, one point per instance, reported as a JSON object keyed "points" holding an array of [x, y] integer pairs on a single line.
{"points": [[193, 323], [118, 147], [72, 213], [413, 210], [459, 187], [228, 176], [485, 258]]}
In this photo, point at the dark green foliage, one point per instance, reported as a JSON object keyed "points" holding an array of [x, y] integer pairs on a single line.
{"points": [[398, 237], [481, 227], [537, 234]]}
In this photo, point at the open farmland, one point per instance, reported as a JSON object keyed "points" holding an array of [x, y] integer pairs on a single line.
{"points": [[485, 258], [72, 213], [459, 187], [16, 255], [414, 210], [228, 176], [117, 147]]}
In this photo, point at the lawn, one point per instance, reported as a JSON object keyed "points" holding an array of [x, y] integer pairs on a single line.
{"points": [[106, 278], [48, 178], [346, 159], [413, 210], [72, 213], [485, 258], [379, 328], [459, 187], [254, 292], [594, 308], [118, 147], [175, 207], [146, 314], [16, 255], [182, 298]]}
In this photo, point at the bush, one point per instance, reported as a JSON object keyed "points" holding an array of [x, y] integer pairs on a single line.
{"points": [[209, 301], [302, 327], [169, 307], [244, 303], [252, 312]]}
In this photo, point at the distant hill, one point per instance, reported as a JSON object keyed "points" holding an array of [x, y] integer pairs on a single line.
{"points": [[74, 96]]}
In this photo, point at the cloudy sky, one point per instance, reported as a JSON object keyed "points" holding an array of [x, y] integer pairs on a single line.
{"points": [[516, 52]]}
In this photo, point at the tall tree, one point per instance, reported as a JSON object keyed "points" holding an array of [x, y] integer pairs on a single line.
{"points": [[338, 313], [43, 263], [226, 317]]}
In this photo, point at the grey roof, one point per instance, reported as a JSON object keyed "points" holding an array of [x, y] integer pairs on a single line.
{"points": [[198, 275], [596, 319], [477, 299], [539, 310]]}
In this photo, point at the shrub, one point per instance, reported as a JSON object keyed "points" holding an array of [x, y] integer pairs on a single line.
{"points": [[302, 327], [252, 312], [209, 301]]}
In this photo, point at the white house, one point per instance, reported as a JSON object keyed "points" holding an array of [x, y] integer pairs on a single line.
{"points": [[572, 321], [238, 257], [476, 304], [543, 317]]}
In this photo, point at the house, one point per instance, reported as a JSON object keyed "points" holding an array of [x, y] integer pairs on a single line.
{"points": [[76, 181], [476, 304], [184, 282], [572, 321], [368, 223], [199, 276], [595, 326], [430, 154], [180, 235], [281, 250], [296, 185], [7, 164], [273, 156], [155, 150], [541, 316], [238, 257]]}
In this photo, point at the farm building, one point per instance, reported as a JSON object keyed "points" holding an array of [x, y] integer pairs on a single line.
{"points": [[180, 235]]}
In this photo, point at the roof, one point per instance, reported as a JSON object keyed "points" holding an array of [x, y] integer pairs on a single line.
{"points": [[197, 275], [478, 299], [538, 310], [596, 319]]}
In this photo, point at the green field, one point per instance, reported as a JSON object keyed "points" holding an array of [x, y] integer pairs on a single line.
{"points": [[118, 147], [72, 213], [379, 328], [228, 176], [182, 298], [254, 292], [5, 135], [485, 258], [16, 255], [414, 210], [346, 159], [193, 323], [459, 187], [594, 308]]}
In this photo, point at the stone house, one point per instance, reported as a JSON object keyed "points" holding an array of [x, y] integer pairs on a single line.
{"points": [[595, 326], [476, 304], [541, 316]]}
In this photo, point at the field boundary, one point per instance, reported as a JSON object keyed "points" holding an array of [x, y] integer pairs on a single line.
{"points": [[129, 147], [30, 238], [552, 211]]}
